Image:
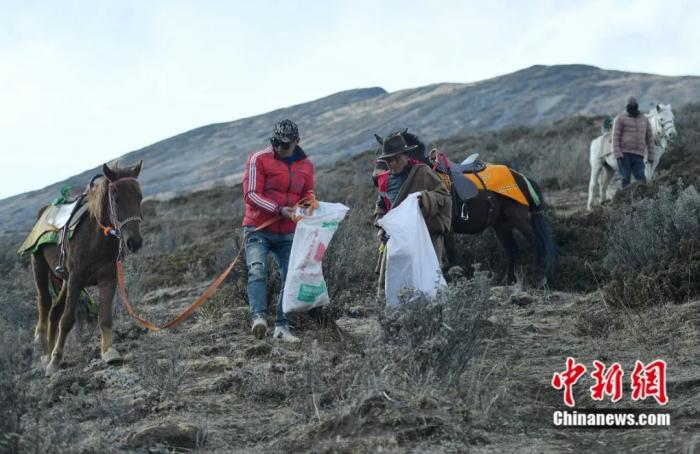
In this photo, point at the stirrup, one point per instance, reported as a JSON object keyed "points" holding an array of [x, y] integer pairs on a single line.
{"points": [[465, 213], [60, 271]]}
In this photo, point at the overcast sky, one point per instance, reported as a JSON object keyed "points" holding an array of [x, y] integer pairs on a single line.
{"points": [[82, 82]]}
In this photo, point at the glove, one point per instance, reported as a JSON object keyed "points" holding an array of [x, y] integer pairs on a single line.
{"points": [[287, 212]]}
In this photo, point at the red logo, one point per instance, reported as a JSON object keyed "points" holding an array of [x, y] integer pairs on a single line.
{"points": [[609, 382], [646, 381], [568, 379], [650, 381]]}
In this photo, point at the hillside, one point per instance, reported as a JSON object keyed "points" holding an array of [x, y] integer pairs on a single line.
{"points": [[470, 375], [342, 125]]}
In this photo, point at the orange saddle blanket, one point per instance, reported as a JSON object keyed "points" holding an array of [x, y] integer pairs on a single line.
{"points": [[499, 178]]}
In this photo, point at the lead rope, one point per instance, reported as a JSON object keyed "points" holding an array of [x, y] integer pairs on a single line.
{"points": [[310, 204]]}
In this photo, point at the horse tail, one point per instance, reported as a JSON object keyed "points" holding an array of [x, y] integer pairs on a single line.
{"points": [[546, 247]]}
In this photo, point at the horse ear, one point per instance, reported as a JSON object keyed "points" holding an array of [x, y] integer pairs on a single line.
{"points": [[109, 173], [405, 131], [136, 170], [379, 139], [658, 107]]}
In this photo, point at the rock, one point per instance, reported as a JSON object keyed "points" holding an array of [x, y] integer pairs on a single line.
{"points": [[213, 364], [356, 312], [113, 378], [259, 349], [176, 435], [225, 383], [365, 328], [522, 299], [531, 328]]}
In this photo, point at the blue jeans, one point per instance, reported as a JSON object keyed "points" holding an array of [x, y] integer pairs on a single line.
{"points": [[257, 246], [631, 163]]}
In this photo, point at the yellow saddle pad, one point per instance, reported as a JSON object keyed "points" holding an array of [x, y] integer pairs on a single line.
{"points": [[499, 179], [47, 227]]}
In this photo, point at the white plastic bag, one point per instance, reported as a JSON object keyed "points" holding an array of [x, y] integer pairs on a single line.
{"points": [[304, 287], [411, 261]]}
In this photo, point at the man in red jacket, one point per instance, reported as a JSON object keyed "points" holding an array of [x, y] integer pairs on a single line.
{"points": [[275, 180]]}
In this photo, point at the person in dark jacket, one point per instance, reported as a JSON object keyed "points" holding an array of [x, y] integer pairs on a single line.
{"points": [[275, 180], [406, 176], [632, 141]]}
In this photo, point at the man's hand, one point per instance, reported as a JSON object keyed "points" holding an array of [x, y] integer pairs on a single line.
{"points": [[287, 212]]}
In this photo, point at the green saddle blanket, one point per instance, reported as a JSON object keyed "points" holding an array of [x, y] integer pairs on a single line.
{"points": [[48, 226]]}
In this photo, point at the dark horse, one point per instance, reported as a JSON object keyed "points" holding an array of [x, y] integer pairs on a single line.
{"points": [[487, 209], [492, 210], [114, 206]]}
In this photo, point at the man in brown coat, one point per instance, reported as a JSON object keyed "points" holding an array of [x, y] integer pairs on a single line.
{"points": [[406, 176], [632, 141]]}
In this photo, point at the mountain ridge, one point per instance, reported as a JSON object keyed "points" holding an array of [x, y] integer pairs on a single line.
{"points": [[342, 124]]}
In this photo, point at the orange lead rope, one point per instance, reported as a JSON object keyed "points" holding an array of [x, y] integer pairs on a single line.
{"points": [[309, 203]]}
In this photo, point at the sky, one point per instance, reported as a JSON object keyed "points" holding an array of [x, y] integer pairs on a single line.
{"points": [[83, 82]]}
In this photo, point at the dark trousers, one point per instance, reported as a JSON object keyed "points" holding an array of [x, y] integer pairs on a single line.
{"points": [[631, 164]]}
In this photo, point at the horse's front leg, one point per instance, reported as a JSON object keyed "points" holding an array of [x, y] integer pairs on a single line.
{"points": [[41, 280], [605, 178], [66, 312], [593, 183], [107, 289]]}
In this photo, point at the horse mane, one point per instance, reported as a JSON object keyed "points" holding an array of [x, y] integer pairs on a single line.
{"points": [[97, 194], [97, 198]]}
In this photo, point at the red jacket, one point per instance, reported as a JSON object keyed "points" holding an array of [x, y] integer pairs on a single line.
{"points": [[270, 183]]}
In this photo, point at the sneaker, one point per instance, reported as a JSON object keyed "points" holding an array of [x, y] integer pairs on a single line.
{"points": [[259, 328], [282, 333]]}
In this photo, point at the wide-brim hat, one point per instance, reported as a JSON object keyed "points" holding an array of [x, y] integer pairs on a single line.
{"points": [[394, 145]]}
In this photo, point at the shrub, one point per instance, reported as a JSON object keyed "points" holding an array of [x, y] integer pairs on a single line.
{"points": [[654, 249], [441, 335]]}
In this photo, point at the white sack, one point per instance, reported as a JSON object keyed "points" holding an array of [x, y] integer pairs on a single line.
{"points": [[411, 261], [304, 287]]}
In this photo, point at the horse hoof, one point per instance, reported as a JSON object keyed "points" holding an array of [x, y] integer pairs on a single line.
{"points": [[52, 368], [111, 356], [45, 360]]}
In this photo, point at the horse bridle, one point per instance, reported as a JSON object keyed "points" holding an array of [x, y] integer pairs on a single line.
{"points": [[119, 225], [663, 129], [116, 225]]}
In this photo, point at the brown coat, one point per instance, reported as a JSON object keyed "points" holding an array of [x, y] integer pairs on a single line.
{"points": [[436, 207], [633, 135]]}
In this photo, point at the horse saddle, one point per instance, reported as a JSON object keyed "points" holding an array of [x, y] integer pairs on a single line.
{"points": [[47, 228], [464, 187]]}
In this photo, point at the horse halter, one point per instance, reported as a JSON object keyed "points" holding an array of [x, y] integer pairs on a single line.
{"points": [[112, 212], [116, 225]]}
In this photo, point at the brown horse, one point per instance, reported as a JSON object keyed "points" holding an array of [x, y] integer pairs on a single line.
{"points": [[114, 206]]}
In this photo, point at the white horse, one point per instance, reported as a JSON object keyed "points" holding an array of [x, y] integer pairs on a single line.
{"points": [[604, 164]]}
